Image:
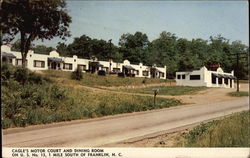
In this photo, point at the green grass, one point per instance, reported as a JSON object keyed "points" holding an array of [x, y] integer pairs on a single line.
{"points": [[232, 131], [238, 94], [166, 90], [106, 81]]}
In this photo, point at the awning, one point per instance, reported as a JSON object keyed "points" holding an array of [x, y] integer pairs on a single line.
{"points": [[59, 60], [129, 67], [157, 70], [223, 76], [96, 64], [9, 55], [231, 77]]}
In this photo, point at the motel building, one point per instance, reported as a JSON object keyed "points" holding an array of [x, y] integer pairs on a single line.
{"points": [[54, 61], [205, 77]]}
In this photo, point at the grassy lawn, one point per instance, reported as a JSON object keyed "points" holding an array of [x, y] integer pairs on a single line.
{"points": [[167, 90], [107, 81], [238, 94], [232, 131]]}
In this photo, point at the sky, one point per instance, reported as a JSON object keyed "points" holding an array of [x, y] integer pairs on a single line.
{"points": [[186, 19]]}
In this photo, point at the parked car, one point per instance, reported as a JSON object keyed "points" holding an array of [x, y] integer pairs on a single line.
{"points": [[101, 72]]}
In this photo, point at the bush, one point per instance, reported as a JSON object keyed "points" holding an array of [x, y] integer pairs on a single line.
{"points": [[77, 74], [121, 74], [6, 71], [21, 74], [144, 80], [35, 78]]}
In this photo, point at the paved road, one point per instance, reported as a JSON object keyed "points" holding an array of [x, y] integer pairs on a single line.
{"points": [[108, 130]]}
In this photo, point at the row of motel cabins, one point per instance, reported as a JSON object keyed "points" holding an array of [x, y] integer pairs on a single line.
{"points": [[53, 60]]}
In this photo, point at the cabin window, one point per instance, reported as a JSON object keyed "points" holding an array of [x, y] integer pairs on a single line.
{"points": [[39, 63], [195, 77], [82, 67], [183, 76], [145, 73], [19, 62], [136, 72], [67, 66], [178, 76]]}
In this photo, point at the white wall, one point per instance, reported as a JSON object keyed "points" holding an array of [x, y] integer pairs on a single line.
{"points": [[205, 78], [188, 82]]}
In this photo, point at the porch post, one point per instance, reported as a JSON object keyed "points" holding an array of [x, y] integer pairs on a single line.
{"points": [[217, 82], [223, 84]]}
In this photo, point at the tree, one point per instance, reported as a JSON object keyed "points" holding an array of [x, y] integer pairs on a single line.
{"points": [[16, 46], [40, 19], [86, 47], [81, 46], [164, 52], [133, 47], [62, 48], [42, 49]]}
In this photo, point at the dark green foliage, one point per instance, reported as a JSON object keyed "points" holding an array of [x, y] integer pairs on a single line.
{"points": [[61, 48], [35, 78], [86, 47], [77, 74], [19, 102], [6, 71], [21, 75], [42, 49]]}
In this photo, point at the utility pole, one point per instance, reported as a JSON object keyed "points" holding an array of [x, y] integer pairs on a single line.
{"points": [[110, 48], [237, 68], [237, 65]]}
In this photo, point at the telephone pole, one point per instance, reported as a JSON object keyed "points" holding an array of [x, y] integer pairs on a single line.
{"points": [[110, 48], [237, 68]]}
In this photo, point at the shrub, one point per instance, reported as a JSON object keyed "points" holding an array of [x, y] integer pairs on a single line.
{"points": [[144, 80], [121, 74], [35, 78], [6, 71], [77, 74], [21, 75]]}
